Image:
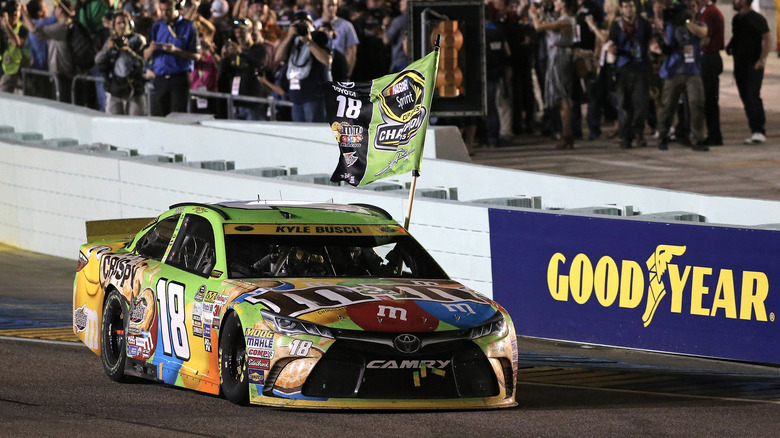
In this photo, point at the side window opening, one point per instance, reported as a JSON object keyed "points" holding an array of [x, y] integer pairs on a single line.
{"points": [[154, 243], [194, 249]]}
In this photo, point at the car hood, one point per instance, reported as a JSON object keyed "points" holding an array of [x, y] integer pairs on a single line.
{"points": [[381, 305]]}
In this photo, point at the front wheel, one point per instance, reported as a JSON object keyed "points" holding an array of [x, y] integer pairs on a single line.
{"points": [[233, 376], [112, 336]]}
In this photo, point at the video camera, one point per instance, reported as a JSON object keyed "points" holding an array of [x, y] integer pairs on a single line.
{"points": [[676, 14]]}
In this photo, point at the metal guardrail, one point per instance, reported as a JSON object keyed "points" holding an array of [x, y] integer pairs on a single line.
{"points": [[230, 98], [52, 77], [82, 77]]}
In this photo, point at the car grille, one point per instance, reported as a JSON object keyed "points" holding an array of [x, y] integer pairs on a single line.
{"points": [[354, 369]]}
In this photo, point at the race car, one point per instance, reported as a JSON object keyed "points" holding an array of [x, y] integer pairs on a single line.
{"points": [[310, 305]]}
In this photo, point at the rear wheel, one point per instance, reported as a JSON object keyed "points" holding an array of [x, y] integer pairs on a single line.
{"points": [[233, 376], [113, 337]]}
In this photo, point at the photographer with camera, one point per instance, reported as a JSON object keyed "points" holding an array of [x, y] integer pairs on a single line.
{"points": [[308, 56], [242, 70], [681, 71], [12, 45], [122, 64]]}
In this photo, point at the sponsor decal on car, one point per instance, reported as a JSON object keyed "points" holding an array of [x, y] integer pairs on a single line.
{"points": [[256, 376], [201, 292], [407, 364], [255, 362], [322, 230], [208, 313], [260, 352], [80, 318]]}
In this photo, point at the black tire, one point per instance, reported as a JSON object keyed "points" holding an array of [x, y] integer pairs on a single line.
{"points": [[233, 375], [113, 336]]}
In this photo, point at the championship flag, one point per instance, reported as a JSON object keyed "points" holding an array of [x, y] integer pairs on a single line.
{"points": [[380, 125]]}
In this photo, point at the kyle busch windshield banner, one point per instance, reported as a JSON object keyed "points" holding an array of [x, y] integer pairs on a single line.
{"points": [[380, 125], [682, 288]]}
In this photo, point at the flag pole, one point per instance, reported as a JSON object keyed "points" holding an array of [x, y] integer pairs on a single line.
{"points": [[416, 172]]}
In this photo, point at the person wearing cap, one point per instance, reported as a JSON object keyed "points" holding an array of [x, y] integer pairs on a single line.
{"points": [[346, 40], [173, 48], [307, 53], [242, 70]]}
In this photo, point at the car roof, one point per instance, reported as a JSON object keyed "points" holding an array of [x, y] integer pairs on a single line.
{"points": [[259, 211]]}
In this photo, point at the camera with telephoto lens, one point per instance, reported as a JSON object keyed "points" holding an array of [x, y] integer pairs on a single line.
{"points": [[120, 41], [8, 6], [676, 14], [302, 28]]}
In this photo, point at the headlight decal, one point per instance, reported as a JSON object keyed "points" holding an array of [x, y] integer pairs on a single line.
{"points": [[293, 326], [495, 326]]}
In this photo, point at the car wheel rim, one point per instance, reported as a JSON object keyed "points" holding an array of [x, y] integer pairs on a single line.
{"points": [[115, 332], [236, 363]]}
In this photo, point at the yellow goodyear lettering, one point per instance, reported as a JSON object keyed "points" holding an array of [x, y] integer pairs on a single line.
{"points": [[606, 281], [581, 279], [555, 282], [753, 297], [625, 284]]}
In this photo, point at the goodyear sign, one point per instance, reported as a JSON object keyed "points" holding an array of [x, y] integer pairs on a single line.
{"points": [[682, 288]]}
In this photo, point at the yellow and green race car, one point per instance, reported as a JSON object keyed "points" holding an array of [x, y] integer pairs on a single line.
{"points": [[312, 305]]}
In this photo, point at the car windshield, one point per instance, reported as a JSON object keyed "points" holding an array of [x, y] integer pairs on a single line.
{"points": [[268, 256]]}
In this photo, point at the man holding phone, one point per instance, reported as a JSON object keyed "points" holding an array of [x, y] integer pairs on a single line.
{"points": [[174, 48]]}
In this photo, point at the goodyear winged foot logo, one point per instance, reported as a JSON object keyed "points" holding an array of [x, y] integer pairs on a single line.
{"points": [[656, 265], [693, 290], [402, 110]]}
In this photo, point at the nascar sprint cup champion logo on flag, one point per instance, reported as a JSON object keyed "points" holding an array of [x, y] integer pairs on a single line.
{"points": [[380, 125]]}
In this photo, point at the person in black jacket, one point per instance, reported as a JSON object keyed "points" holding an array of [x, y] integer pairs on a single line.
{"points": [[122, 64], [241, 71]]}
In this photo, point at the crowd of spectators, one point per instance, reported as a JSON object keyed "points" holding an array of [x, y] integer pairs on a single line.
{"points": [[570, 69]]}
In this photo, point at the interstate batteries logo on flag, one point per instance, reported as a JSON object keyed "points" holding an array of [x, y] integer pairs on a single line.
{"points": [[380, 125]]}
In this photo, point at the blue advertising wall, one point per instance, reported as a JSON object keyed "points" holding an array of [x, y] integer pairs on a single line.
{"points": [[681, 288]]}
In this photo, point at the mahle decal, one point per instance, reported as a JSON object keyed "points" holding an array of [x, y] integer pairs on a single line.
{"points": [[625, 284]]}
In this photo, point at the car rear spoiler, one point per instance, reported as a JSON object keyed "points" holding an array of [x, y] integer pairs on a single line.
{"points": [[116, 229]]}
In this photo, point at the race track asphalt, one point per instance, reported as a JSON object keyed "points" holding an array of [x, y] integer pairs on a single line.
{"points": [[57, 387]]}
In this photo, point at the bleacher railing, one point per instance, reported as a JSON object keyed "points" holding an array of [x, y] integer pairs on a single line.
{"points": [[194, 94]]}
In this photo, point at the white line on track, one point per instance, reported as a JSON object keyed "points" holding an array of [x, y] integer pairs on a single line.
{"points": [[41, 341], [624, 164]]}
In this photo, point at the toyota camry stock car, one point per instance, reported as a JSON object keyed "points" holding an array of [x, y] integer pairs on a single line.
{"points": [[313, 305]]}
